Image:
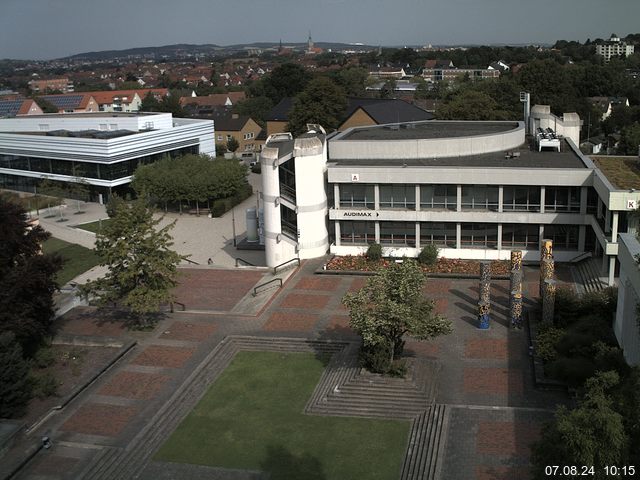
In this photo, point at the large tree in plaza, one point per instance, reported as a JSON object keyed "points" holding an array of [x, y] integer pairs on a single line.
{"points": [[390, 306], [142, 266], [27, 278]]}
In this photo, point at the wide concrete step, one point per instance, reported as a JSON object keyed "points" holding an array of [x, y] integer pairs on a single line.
{"points": [[426, 443]]}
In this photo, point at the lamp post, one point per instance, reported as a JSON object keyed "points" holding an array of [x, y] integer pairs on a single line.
{"points": [[233, 224]]}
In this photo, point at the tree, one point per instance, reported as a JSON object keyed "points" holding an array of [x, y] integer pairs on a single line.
{"points": [[390, 306], [322, 102], [630, 140], [45, 105], [257, 108], [591, 434], [27, 278], [471, 105], [15, 385], [352, 80], [232, 145], [286, 80], [142, 266]]}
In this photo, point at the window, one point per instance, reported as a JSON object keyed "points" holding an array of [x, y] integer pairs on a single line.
{"points": [[592, 201], [43, 127], [479, 197], [565, 237], [353, 195], [520, 236], [289, 222], [287, 176], [562, 199], [220, 138], [519, 198], [398, 233], [479, 235], [357, 233], [248, 136], [440, 197], [398, 196], [229, 137], [440, 234]]}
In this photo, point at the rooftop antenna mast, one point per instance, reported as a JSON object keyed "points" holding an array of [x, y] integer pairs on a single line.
{"points": [[525, 98]]}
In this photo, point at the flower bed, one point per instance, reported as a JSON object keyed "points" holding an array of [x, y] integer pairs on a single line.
{"points": [[444, 265]]}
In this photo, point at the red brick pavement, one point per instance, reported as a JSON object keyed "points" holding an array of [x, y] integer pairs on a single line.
{"points": [[141, 386], [188, 331], [328, 284], [290, 322], [487, 348], [441, 305], [427, 349], [301, 300], [436, 286], [340, 324], [506, 438], [493, 381], [52, 466], [484, 472], [88, 321], [161, 356], [99, 419], [204, 289]]}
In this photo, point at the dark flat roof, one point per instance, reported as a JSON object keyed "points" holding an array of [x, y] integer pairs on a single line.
{"points": [[567, 158], [430, 129]]}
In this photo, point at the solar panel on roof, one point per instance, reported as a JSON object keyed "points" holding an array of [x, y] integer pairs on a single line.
{"points": [[10, 107], [71, 101]]}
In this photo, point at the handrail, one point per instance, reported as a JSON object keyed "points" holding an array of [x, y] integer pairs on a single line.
{"points": [[238, 259], [581, 257], [191, 261], [255, 290], [275, 269]]}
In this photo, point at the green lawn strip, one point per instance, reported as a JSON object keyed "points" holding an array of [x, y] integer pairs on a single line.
{"points": [[77, 259], [251, 418], [94, 226]]}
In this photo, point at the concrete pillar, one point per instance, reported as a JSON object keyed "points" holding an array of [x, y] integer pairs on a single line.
{"points": [[376, 197], [336, 195], [499, 246], [515, 308], [582, 237], [458, 236], [584, 193], [418, 235], [612, 270], [417, 198], [485, 283], [458, 198], [500, 198], [614, 227], [540, 236], [377, 231], [483, 316], [542, 195], [337, 232]]}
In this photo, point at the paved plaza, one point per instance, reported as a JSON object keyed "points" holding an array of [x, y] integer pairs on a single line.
{"points": [[493, 412]]}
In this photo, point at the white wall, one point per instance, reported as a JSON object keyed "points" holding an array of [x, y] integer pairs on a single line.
{"points": [[625, 326]]}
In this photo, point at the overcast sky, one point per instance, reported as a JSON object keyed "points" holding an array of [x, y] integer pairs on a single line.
{"points": [[44, 29]]}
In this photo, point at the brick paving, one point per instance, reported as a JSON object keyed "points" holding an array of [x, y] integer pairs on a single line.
{"points": [[493, 381], [141, 386], [210, 289], [100, 419], [486, 370], [188, 331], [291, 322], [87, 321], [161, 356], [299, 300]]}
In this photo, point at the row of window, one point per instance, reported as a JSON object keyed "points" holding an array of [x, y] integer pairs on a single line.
{"points": [[474, 197], [472, 235], [111, 171]]}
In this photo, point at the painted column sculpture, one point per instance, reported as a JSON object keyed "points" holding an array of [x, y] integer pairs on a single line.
{"points": [[515, 298], [548, 300], [546, 262], [484, 301]]}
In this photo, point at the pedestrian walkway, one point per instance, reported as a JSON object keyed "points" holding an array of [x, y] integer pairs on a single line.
{"points": [[476, 415]]}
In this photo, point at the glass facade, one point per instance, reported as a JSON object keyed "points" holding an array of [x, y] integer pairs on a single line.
{"points": [[479, 197], [479, 235], [289, 222], [438, 197], [100, 171], [398, 196], [287, 177], [565, 237], [440, 234], [398, 233], [360, 196], [520, 236], [357, 233], [562, 199], [519, 198]]}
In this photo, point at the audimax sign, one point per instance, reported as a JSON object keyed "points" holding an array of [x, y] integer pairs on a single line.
{"points": [[363, 214]]}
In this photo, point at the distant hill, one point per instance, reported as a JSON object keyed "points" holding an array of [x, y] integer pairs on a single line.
{"points": [[184, 49]]}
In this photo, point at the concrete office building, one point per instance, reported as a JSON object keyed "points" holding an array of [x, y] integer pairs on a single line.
{"points": [[477, 190], [103, 149]]}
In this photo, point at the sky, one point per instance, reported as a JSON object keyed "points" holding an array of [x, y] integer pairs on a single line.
{"points": [[46, 29]]}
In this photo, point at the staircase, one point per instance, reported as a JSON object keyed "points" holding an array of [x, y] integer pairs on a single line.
{"points": [[587, 275], [426, 443]]}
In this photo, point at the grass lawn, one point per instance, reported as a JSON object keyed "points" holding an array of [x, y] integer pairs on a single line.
{"points": [[252, 418], [77, 259], [94, 226]]}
